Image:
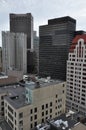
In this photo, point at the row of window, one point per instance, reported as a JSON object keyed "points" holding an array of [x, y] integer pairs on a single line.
{"points": [[42, 107], [43, 119]]}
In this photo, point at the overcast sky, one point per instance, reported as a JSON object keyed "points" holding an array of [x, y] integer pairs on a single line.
{"points": [[42, 10]]}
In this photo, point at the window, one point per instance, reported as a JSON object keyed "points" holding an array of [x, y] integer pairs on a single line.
{"points": [[56, 107], [63, 85], [31, 118], [21, 115], [31, 111], [42, 120], [50, 103], [10, 116], [42, 113], [10, 109], [56, 95], [63, 91], [46, 105], [31, 125], [2, 109], [50, 110], [42, 107], [56, 101], [35, 109], [15, 114], [35, 123], [2, 97], [21, 123], [46, 112], [35, 116], [55, 113]]}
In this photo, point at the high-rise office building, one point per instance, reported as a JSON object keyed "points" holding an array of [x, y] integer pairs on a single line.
{"points": [[36, 50], [76, 75], [23, 23], [0, 58], [14, 51], [54, 42]]}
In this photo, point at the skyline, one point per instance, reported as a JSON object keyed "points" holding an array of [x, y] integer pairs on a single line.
{"points": [[41, 13]]}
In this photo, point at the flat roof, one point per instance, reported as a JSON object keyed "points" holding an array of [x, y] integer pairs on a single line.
{"points": [[42, 82], [6, 80], [61, 20], [16, 93], [70, 122]]}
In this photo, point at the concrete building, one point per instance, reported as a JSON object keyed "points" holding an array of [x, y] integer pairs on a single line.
{"points": [[23, 23], [0, 59], [14, 51], [25, 107], [36, 51], [76, 75], [54, 43]]}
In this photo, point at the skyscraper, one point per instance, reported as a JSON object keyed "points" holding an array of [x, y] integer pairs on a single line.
{"points": [[14, 51], [36, 51], [54, 42], [23, 23], [76, 75]]}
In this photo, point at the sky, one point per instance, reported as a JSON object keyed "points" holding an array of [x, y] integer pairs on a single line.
{"points": [[42, 10]]}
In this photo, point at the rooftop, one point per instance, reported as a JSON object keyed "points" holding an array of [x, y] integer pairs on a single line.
{"points": [[75, 41], [16, 93], [7, 80], [63, 122], [61, 20], [42, 82]]}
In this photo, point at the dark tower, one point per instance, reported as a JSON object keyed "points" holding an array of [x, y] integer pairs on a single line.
{"points": [[54, 42], [24, 23]]}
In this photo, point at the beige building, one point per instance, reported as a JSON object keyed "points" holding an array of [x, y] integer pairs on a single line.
{"points": [[76, 75], [26, 107]]}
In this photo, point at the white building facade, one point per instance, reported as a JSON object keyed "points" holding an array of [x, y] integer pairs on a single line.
{"points": [[14, 51], [76, 75]]}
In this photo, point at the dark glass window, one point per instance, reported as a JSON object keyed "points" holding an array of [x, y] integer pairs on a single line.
{"points": [[21, 115], [42, 107], [35, 109]]}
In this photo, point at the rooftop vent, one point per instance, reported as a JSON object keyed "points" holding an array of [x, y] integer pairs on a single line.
{"points": [[60, 123]]}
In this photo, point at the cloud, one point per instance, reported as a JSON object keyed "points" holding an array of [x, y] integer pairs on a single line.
{"points": [[42, 10]]}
